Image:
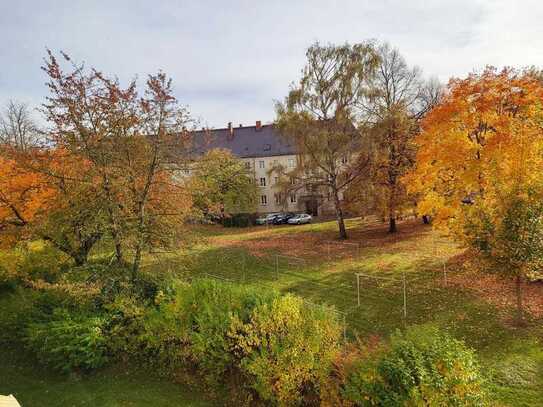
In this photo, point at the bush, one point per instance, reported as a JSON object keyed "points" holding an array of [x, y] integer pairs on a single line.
{"points": [[69, 341], [9, 274], [192, 327], [421, 367], [18, 309], [240, 220], [41, 261], [287, 349]]}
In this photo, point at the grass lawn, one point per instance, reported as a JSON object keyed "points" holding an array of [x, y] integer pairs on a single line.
{"points": [[300, 259], [309, 261], [35, 386]]}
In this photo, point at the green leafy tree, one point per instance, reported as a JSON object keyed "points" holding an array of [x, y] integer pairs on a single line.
{"points": [[221, 185]]}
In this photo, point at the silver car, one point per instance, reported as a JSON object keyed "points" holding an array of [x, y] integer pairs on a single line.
{"points": [[300, 219], [267, 219]]}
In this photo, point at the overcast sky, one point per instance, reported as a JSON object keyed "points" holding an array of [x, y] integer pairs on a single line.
{"points": [[230, 60]]}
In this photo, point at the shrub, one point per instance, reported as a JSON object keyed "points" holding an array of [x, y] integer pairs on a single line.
{"points": [[69, 341], [192, 327], [41, 261], [125, 327], [18, 308], [9, 275], [240, 220], [421, 367], [287, 349]]}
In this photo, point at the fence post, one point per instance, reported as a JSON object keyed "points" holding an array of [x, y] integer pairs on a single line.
{"points": [[404, 297], [344, 330], [243, 267], [358, 288]]}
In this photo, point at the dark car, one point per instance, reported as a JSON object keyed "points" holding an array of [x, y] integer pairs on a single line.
{"points": [[283, 218]]}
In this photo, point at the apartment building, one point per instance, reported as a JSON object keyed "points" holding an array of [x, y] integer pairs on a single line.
{"points": [[262, 149]]}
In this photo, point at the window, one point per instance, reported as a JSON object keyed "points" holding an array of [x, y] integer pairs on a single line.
{"points": [[263, 200], [248, 165], [291, 163], [277, 199], [292, 181], [275, 163], [261, 164], [276, 180], [293, 198], [344, 160], [187, 171], [267, 147], [262, 182]]}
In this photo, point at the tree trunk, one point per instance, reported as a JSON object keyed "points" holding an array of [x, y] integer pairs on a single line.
{"points": [[339, 215], [80, 257], [392, 225], [520, 311], [118, 252]]}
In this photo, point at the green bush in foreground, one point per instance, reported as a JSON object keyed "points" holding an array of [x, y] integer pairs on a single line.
{"points": [[69, 341], [192, 327], [287, 349], [421, 367]]}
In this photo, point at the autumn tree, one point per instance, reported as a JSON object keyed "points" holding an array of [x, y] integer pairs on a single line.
{"points": [[479, 168], [392, 111], [319, 116], [134, 143], [221, 185], [44, 195], [24, 197]]}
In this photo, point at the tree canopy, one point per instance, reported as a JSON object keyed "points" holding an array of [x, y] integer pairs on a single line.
{"points": [[480, 163]]}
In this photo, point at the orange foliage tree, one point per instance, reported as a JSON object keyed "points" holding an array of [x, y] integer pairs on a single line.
{"points": [[479, 167], [24, 197]]}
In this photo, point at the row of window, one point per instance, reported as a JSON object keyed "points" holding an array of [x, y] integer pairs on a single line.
{"points": [[264, 199], [262, 163], [276, 181]]}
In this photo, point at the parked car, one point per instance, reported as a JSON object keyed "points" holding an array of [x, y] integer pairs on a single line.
{"points": [[266, 219], [300, 219], [283, 218]]}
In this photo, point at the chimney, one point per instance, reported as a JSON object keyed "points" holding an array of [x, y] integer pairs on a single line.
{"points": [[240, 125], [258, 126], [230, 131]]}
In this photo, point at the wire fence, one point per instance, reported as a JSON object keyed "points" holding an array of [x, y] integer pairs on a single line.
{"points": [[364, 302]]}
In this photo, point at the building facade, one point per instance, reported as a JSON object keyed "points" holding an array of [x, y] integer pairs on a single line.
{"points": [[263, 150]]}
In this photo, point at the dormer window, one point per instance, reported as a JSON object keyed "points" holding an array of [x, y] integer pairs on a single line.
{"points": [[267, 147]]}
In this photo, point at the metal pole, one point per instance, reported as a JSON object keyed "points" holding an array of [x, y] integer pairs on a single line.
{"points": [[358, 288], [344, 330], [243, 266], [404, 297]]}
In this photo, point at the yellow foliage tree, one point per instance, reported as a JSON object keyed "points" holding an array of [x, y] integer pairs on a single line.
{"points": [[479, 167]]}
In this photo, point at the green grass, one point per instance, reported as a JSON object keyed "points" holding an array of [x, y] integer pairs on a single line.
{"points": [[511, 357], [36, 386]]}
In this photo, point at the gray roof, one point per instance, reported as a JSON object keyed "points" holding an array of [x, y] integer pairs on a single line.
{"points": [[245, 141]]}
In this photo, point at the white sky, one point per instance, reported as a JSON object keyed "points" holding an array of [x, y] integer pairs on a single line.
{"points": [[230, 60]]}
